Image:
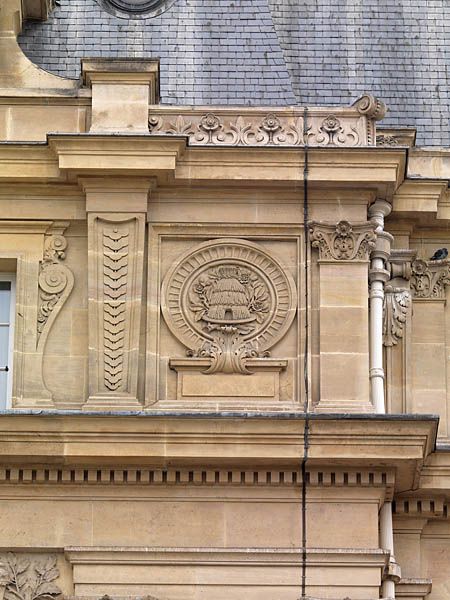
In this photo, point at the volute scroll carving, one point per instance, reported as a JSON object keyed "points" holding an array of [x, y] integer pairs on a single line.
{"points": [[343, 241], [228, 300], [55, 285]]}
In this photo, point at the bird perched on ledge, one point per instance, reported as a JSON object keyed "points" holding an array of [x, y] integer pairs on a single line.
{"points": [[440, 254]]}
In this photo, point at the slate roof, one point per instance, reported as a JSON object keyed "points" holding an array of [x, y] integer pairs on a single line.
{"points": [[272, 52]]}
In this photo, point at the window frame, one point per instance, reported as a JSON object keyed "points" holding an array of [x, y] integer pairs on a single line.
{"points": [[11, 277]]}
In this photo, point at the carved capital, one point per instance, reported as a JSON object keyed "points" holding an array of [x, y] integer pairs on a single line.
{"points": [[344, 241], [429, 278]]}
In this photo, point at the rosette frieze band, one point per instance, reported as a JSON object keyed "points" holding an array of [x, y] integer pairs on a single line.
{"points": [[348, 127], [343, 241]]}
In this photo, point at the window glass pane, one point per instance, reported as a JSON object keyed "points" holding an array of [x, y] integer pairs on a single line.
{"points": [[5, 300], [4, 345], [3, 389]]}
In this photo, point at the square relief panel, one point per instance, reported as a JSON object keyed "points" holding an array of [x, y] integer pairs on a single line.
{"points": [[223, 319]]}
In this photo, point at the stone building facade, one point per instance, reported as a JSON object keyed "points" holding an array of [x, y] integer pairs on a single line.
{"points": [[224, 328]]}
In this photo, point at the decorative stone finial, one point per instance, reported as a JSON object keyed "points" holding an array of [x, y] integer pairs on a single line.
{"points": [[371, 106]]}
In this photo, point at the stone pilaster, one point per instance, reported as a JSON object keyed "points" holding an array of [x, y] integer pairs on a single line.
{"points": [[115, 288], [344, 250], [428, 285]]}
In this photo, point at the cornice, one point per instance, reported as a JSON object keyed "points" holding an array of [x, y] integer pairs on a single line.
{"points": [[421, 196], [27, 162], [208, 440], [435, 475], [412, 589], [169, 159], [357, 557]]}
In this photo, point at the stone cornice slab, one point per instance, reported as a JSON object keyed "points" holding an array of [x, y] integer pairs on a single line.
{"points": [[100, 154], [214, 440], [357, 557], [168, 159], [435, 475]]}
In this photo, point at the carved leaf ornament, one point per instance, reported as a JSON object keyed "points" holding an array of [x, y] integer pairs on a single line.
{"points": [[228, 300], [397, 302], [26, 579], [115, 278]]}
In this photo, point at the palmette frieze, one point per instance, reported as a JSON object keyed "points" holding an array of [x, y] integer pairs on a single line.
{"points": [[343, 241], [351, 127], [429, 279]]}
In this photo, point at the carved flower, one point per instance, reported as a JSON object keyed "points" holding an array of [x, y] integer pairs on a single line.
{"points": [[210, 122], [343, 228], [419, 267], [271, 123], [331, 124]]}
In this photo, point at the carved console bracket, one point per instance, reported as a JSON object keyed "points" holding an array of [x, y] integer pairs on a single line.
{"points": [[397, 297], [343, 241], [55, 282], [429, 279]]}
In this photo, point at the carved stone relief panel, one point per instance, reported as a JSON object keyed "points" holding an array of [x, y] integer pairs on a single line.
{"points": [[228, 301], [225, 304], [29, 578], [115, 298]]}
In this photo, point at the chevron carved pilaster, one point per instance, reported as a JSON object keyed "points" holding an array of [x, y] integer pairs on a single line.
{"points": [[115, 279]]}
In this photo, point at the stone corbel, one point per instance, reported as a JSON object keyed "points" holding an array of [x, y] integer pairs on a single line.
{"points": [[397, 298], [343, 241], [55, 283]]}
